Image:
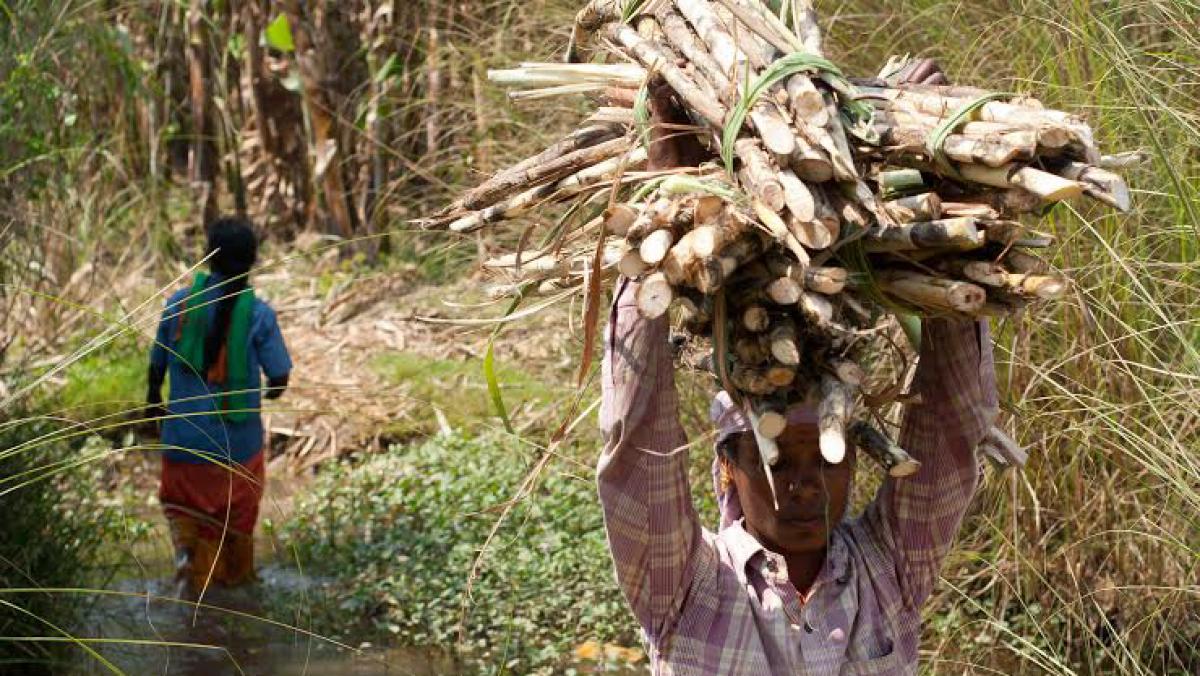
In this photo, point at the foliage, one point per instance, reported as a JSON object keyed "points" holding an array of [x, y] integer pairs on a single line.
{"points": [[405, 528], [458, 389], [56, 526], [106, 385]]}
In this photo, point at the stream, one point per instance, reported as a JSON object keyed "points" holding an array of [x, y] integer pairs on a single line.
{"points": [[174, 638]]}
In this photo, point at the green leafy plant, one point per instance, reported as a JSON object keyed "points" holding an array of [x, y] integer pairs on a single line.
{"points": [[404, 529]]}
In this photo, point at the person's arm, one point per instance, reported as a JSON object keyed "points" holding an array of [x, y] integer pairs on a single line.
{"points": [[653, 528], [920, 515], [272, 354], [157, 372]]}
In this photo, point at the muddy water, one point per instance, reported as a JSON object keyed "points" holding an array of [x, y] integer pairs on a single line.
{"points": [[256, 630], [180, 640]]}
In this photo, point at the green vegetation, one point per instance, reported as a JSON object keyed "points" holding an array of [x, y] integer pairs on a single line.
{"points": [[108, 384], [402, 530], [458, 389], [57, 527]]}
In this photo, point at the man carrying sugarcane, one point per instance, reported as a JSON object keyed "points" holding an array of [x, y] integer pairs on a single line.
{"points": [[798, 588]]}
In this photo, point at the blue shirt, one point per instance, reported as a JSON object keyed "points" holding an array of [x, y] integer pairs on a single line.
{"points": [[199, 434]]}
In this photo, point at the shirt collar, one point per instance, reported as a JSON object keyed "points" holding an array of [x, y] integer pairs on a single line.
{"points": [[744, 548]]}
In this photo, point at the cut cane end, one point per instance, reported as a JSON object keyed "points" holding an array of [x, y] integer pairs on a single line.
{"points": [[833, 447], [904, 469]]}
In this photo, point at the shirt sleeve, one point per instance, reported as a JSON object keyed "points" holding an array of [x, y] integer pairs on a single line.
{"points": [[159, 356], [272, 351], [653, 528], [920, 515]]}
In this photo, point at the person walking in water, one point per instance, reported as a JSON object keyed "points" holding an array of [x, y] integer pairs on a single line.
{"points": [[802, 588], [214, 340]]}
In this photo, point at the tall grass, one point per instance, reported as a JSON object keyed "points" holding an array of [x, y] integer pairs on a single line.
{"points": [[1088, 561]]}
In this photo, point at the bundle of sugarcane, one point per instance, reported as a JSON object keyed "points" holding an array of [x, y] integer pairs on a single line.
{"points": [[833, 202]]}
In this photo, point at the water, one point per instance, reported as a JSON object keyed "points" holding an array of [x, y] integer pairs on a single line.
{"points": [[235, 639]]}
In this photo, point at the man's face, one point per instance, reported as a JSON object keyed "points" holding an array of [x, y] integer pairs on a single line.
{"points": [[812, 493]]}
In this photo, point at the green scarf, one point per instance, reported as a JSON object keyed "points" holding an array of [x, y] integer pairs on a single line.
{"points": [[231, 372]]}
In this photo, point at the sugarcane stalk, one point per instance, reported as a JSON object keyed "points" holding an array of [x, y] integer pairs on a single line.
{"points": [[589, 20], [784, 345], [961, 234], [623, 117], [755, 318], [1100, 184], [784, 291], [751, 350], [772, 129], [848, 372], [779, 230], [618, 218], [509, 182], [895, 460], [635, 159], [781, 377], [654, 296], [816, 309], [631, 264], [986, 273], [969, 210], [995, 111], [825, 280], [900, 181], [809, 163], [908, 129], [1024, 263], [832, 415], [813, 234], [923, 207], [1125, 160], [655, 60], [1039, 286], [931, 292], [751, 380], [797, 197], [772, 420], [1014, 234], [653, 249], [1047, 186], [760, 174]]}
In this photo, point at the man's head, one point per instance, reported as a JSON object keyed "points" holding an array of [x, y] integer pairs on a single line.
{"points": [[235, 246], [812, 493]]}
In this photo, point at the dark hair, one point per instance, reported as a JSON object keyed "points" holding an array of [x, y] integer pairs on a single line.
{"points": [[728, 448], [232, 250]]}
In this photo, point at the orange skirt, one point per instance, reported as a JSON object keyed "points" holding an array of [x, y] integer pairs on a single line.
{"points": [[212, 510]]}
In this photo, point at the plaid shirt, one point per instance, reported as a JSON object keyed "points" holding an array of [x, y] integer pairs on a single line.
{"points": [[719, 603]]}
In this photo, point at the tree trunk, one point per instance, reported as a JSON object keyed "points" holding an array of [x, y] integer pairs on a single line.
{"points": [[202, 159], [322, 111]]}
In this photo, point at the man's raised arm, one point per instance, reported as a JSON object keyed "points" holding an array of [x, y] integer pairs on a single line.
{"points": [[921, 514], [653, 529]]}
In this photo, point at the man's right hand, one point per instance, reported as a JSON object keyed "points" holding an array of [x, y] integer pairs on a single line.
{"points": [[672, 142]]}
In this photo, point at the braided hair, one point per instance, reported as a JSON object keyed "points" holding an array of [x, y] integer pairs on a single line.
{"points": [[232, 249]]}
